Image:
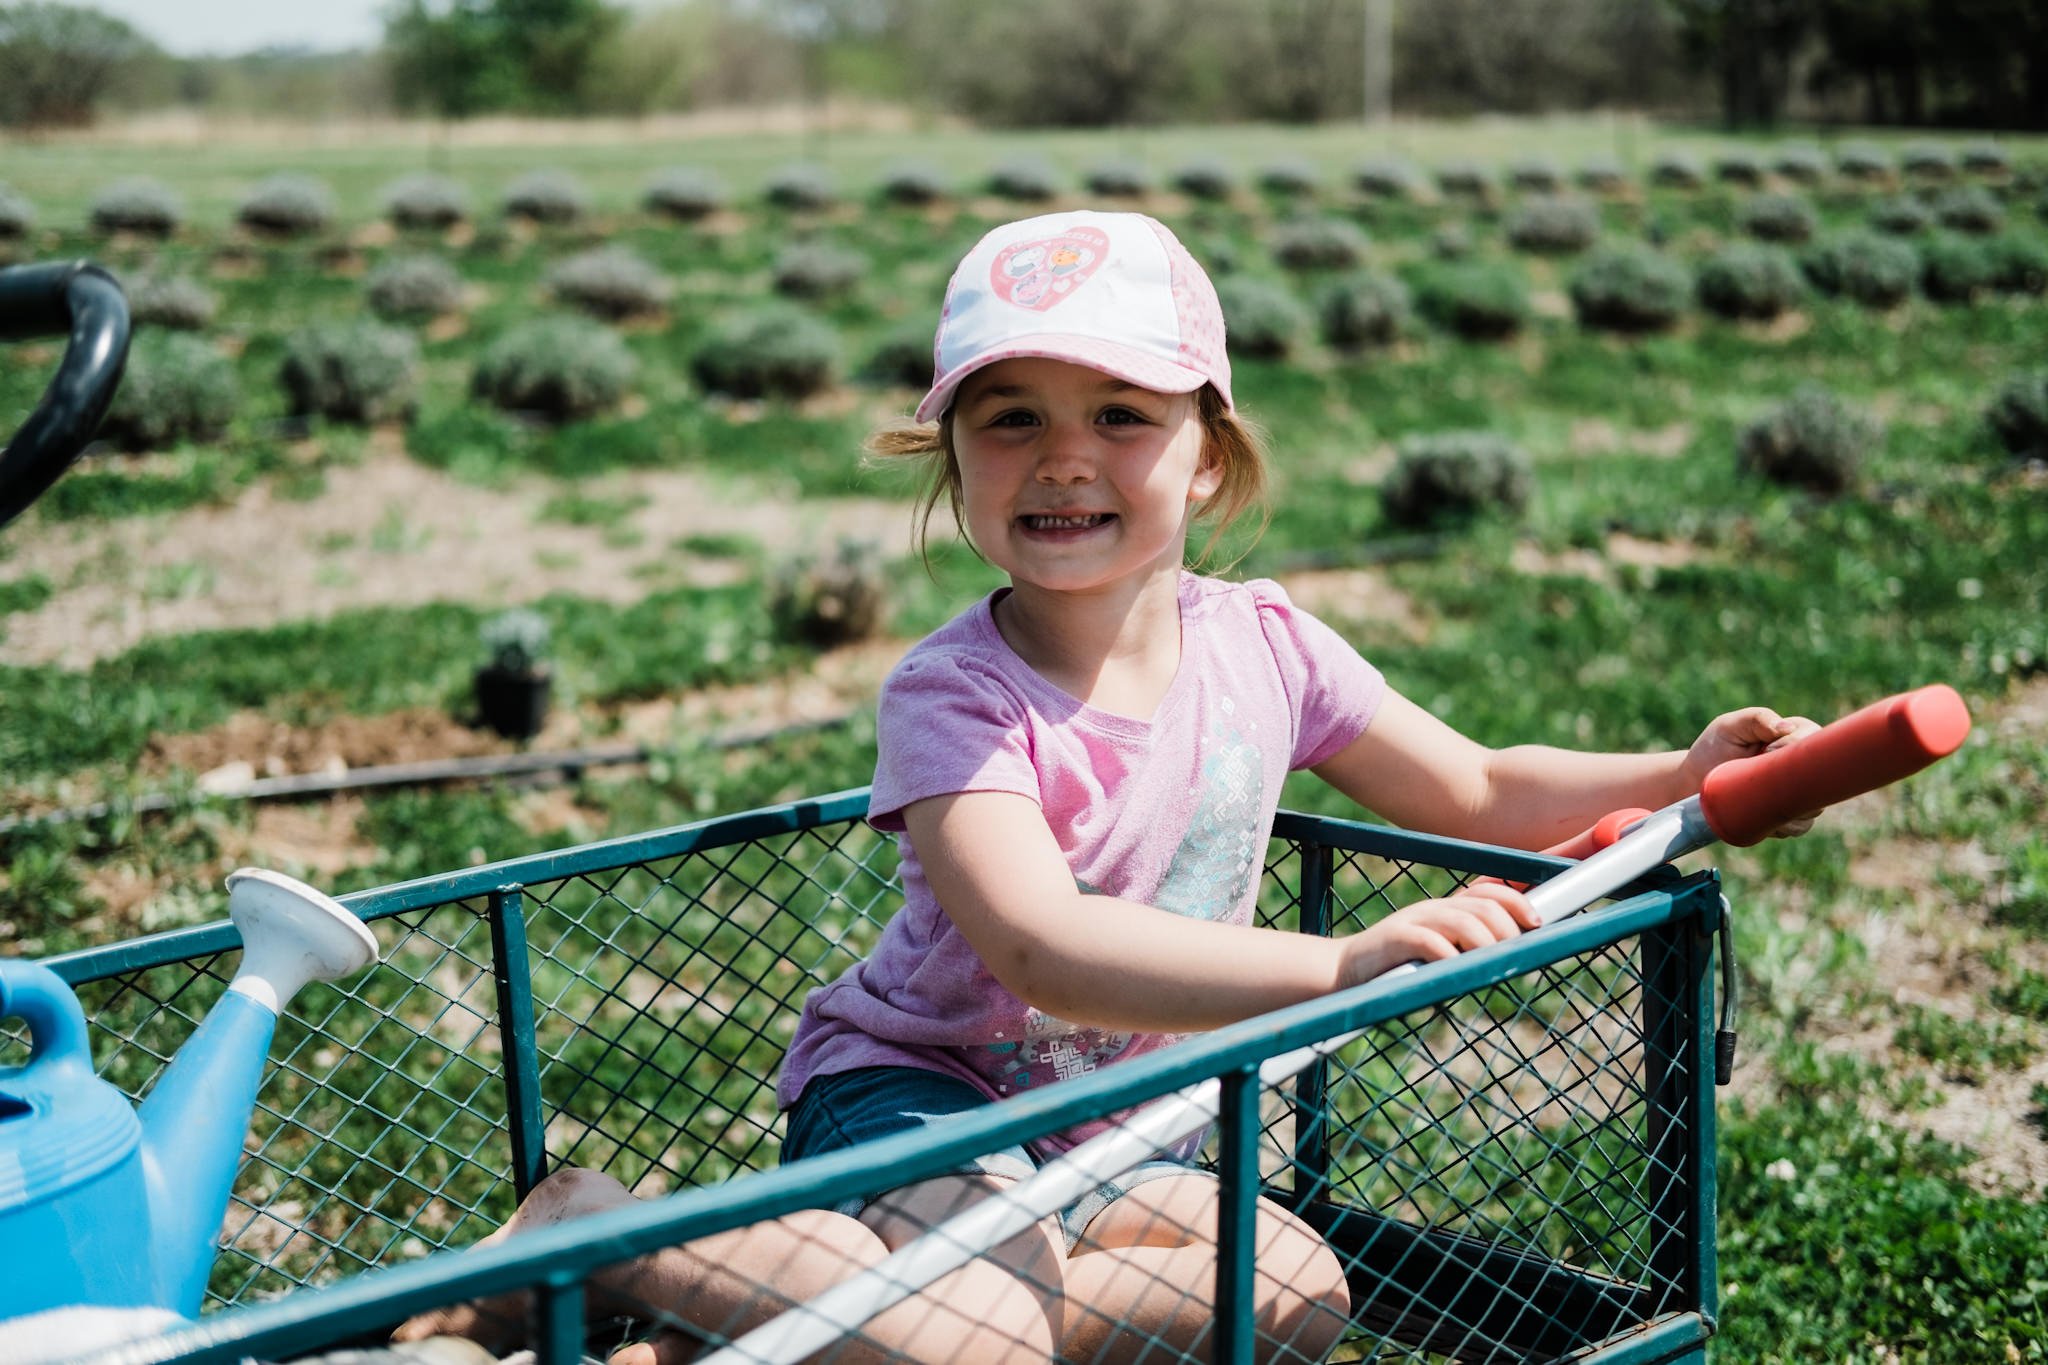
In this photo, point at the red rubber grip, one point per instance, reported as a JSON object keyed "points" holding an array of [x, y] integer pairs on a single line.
{"points": [[1606, 830], [1885, 741], [1602, 833]]}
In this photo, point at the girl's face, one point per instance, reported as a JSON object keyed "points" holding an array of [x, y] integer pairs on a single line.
{"points": [[1073, 480]]}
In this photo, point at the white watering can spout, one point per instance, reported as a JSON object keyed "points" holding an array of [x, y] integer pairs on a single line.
{"points": [[291, 934]]}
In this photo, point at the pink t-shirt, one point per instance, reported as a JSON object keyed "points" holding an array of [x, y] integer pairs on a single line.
{"points": [[1174, 812]]}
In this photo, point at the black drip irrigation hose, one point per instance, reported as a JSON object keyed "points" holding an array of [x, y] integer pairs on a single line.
{"points": [[533, 769]]}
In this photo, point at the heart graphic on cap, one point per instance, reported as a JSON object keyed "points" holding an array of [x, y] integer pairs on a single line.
{"points": [[1038, 274]]}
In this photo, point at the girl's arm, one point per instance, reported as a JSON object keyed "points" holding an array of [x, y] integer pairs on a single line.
{"points": [[1001, 877], [1420, 773]]}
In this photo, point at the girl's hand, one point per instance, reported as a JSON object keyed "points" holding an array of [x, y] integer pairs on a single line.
{"points": [[1431, 930], [1744, 734]]}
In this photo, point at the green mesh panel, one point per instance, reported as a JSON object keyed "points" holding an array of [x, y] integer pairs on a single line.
{"points": [[1505, 1175]]}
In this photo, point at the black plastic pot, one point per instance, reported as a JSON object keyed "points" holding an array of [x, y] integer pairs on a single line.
{"points": [[513, 704]]}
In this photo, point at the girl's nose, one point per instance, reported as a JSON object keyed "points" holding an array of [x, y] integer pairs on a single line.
{"points": [[1066, 456]]}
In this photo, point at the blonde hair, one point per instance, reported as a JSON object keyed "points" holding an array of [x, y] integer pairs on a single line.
{"points": [[1234, 444]]}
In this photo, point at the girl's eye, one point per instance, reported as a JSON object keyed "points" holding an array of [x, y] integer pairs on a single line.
{"points": [[1121, 416], [1015, 417]]}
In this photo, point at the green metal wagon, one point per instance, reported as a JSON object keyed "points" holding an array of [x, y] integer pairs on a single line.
{"points": [[1515, 1160]]}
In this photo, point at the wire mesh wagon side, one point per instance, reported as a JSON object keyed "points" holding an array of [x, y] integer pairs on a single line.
{"points": [[1514, 1159]]}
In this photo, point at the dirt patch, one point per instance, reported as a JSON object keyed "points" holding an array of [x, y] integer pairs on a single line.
{"points": [[1358, 595], [1598, 436], [1891, 406], [1785, 327], [2024, 714], [314, 840], [556, 818], [1599, 565], [1623, 548], [237, 262], [269, 748], [1925, 949], [1371, 469], [122, 889], [838, 681], [1991, 1120], [390, 532], [344, 263], [1936, 962]]}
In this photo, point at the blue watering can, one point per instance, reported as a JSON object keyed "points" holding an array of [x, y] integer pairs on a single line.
{"points": [[106, 1205]]}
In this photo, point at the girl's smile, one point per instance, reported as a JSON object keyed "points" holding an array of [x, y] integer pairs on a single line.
{"points": [[1064, 525]]}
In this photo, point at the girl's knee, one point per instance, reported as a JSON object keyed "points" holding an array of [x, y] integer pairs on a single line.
{"points": [[981, 1312], [1304, 1301], [832, 1239], [985, 1311], [575, 1190], [1318, 1279]]}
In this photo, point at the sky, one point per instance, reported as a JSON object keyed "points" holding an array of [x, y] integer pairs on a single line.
{"points": [[223, 27]]}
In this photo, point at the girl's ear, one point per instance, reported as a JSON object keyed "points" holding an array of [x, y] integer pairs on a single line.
{"points": [[1208, 475]]}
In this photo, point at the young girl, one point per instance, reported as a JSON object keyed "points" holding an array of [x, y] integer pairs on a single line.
{"points": [[1083, 770]]}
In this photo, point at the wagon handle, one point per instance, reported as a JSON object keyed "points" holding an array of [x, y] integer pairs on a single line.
{"points": [[1746, 799], [81, 299]]}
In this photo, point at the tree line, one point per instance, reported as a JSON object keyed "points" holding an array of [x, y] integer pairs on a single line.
{"points": [[1752, 63]]}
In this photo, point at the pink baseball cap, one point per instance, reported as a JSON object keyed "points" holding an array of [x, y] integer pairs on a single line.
{"points": [[1116, 292]]}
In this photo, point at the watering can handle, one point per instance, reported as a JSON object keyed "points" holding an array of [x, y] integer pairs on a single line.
{"points": [[50, 300], [40, 998]]}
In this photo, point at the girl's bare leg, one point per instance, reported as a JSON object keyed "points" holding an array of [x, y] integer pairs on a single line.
{"points": [[1143, 1277], [724, 1283], [1001, 1307], [1007, 1305], [731, 1282]]}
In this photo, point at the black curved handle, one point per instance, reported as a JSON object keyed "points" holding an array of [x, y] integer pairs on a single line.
{"points": [[50, 300]]}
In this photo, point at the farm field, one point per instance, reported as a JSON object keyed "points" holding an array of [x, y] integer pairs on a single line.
{"points": [[286, 592]]}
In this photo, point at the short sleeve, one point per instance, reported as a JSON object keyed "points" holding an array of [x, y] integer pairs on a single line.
{"points": [[1334, 691], [945, 723]]}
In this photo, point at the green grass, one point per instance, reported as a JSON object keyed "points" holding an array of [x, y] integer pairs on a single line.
{"points": [[2026, 996], [1963, 1049], [55, 721], [2023, 902], [1868, 1244], [583, 509], [24, 594]]}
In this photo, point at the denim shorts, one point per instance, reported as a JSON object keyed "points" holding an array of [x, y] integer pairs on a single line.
{"points": [[847, 1108]]}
